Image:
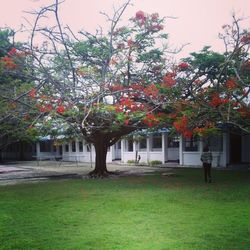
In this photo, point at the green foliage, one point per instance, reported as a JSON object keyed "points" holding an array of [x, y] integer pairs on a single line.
{"points": [[132, 162], [155, 163], [14, 83], [207, 61], [152, 56], [93, 51], [5, 43]]}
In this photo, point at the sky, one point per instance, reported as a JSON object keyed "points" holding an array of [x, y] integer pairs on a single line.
{"points": [[196, 22]]}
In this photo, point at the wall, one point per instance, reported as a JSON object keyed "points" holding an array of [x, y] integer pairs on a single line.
{"points": [[173, 154], [246, 148], [86, 155]]}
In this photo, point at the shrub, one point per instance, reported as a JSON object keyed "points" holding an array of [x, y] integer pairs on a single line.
{"points": [[155, 162], [131, 162]]}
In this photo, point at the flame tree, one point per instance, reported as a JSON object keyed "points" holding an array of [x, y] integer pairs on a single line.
{"points": [[15, 83], [215, 86], [105, 85]]}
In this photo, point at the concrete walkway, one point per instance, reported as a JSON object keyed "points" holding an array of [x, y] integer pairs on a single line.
{"points": [[31, 171]]}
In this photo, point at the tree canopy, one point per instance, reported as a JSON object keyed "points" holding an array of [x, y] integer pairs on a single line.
{"points": [[216, 86], [14, 85], [104, 85]]}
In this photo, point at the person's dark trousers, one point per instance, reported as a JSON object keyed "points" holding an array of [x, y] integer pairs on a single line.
{"points": [[207, 172]]}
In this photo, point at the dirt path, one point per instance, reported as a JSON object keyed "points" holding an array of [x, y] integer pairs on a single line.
{"points": [[25, 172]]}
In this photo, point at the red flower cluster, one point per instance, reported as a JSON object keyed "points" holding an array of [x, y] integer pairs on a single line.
{"points": [[155, 27], [126, 102], [187, 134], [130, 43], [60, 109], [199, 131], [168, 80], [231, 84], [32, 93], [217, 100], [151, 91], [154, 16], [181, 126], [244, 111], [151, 120], [45, 108], [8, 63], [140, 15], [246, 65], [116, 87], [136, 86], [198, 81], [128, 105], [183, 66], [126, 122], [245, 39], [12, 52]]}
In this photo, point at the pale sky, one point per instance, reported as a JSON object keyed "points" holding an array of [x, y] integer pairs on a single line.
{"points": [[198, 21]]}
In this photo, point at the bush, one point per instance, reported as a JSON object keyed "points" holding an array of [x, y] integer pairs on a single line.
{"points": [[131, 162], [155, 162]]}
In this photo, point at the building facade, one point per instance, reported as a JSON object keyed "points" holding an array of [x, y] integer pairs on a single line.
{"points": [[230, 147]]}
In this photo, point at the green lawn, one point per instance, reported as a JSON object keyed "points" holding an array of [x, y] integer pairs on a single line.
{"points": [[150, 212]]}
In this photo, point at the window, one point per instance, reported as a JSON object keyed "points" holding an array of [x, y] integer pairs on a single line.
{"points": [[45, 146], [119, 145], [129, 145], [80, 144], [191, 144], [67, 148], [73, 145], [143, 144], [173, 142], [156, 142]]}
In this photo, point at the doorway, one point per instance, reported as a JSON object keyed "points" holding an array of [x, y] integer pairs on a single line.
{"points": [[235, 148]]}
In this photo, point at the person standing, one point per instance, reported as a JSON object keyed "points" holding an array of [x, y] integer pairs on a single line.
{"points": [[206, 158]]}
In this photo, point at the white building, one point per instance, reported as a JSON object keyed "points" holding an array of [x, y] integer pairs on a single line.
{"points": [[231, 147]]}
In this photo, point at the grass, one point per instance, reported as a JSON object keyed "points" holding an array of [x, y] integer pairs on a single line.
{"points": [[149, 212]]}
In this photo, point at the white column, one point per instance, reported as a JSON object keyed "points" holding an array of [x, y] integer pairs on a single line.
{"points": [[164, 147], [122, 150], [181, 151], [135, 149], [77, 151], [148, 149], [225, 149], [37, 148]]}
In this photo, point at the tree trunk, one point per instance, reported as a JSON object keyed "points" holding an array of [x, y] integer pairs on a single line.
{"points": [[102, 141], [101, 149]]}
